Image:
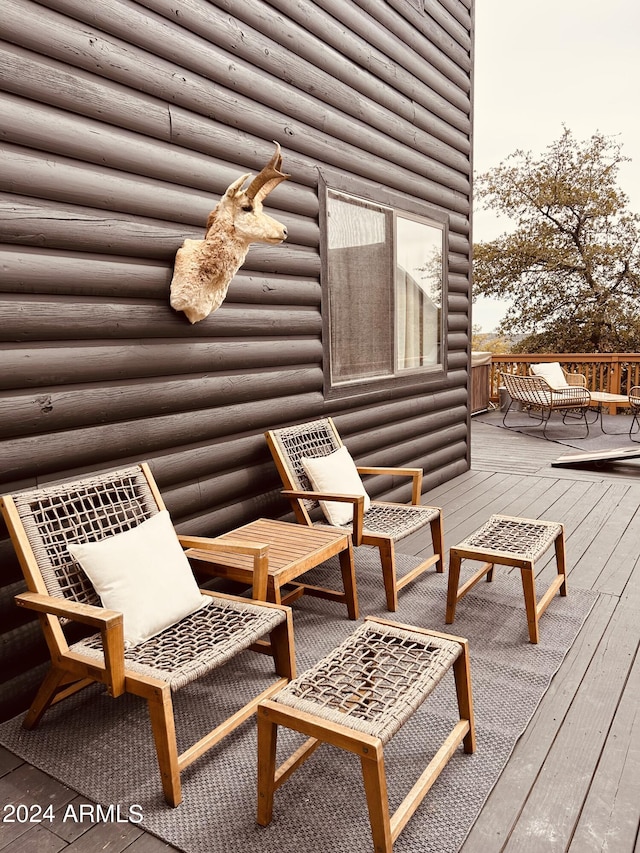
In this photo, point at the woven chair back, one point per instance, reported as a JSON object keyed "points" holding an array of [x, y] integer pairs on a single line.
{"points": [[85, 510], [315, 438]]}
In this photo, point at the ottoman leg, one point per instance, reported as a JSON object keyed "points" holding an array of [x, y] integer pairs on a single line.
{"points": [[529, 589], [267, 740], [462, 675], [560, 560], [375, 786], [348, 571]]}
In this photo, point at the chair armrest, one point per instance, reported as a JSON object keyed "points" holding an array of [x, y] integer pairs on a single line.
{"points": [[259, 552], [577, 379], [356, 500], [414, 473], [108, 622], [88, 614], [574, 395]]}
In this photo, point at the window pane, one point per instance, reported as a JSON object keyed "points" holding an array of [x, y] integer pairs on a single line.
{"points": [[418, 294], [359, 268]]}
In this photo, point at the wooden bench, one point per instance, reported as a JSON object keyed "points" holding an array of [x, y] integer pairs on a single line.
{"points": [[357, 698]]}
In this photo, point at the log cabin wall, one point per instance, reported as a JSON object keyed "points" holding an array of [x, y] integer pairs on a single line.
{"points": [[123, 123]]}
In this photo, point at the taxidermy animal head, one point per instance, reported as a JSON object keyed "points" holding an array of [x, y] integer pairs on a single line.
{"points": [[204, 268]]}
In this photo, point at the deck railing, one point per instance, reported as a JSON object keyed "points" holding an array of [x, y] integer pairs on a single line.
{"points": [[615, 373]]}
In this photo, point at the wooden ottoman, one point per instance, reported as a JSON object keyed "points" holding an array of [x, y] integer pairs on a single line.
{"points": [[357, 698], [509, 541]]}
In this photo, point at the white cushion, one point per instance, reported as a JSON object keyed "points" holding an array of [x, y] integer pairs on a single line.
{"points": [[337, 474], [144, 574], [552, 372]]}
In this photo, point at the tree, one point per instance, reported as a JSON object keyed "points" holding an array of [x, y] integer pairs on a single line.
{"points": [[489, 342], [572, 265]]}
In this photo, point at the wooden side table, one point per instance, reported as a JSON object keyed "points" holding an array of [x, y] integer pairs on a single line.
{"points": [[290, 551]]}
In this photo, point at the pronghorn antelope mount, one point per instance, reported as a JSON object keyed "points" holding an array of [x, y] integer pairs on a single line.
{"points": [[204, 268]]}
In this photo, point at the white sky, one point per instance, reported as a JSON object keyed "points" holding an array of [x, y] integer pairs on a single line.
{"points": [[542, 64]]}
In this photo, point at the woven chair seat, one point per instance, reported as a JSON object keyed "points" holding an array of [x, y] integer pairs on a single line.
{"points": [[522, 537], [374, 681], [197, 644], [397, 521]]}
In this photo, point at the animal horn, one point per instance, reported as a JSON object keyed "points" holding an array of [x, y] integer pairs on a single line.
{"points": [[268, 179]]}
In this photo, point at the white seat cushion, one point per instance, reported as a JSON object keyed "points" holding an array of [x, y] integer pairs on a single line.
{"points": [[144, 574], [338, 475]]}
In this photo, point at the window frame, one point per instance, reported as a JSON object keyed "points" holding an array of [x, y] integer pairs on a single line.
{"points": [[420, 378]]}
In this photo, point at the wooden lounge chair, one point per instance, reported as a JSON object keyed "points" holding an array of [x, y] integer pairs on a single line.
{"points": [[381, 525], [121, 514], [535, 395]]}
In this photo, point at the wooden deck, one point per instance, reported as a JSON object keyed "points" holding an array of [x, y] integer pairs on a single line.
{"points": [[573, 780]]}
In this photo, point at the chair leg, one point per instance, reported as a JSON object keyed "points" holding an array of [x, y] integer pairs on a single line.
{"points": [[348, 571], [388, 561], [160, 707], [283, 648], [504, 417], [267, 743], [375, 786], [438, 542], [546, 421], [47, 691]]}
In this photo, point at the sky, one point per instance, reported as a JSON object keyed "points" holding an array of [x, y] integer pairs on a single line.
{"points": [[542, 64]]}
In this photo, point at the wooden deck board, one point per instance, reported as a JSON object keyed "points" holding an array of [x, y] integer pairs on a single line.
{"points": [[555, 803], [502, 809], [572, 781], [569, 784], [611, 813]]}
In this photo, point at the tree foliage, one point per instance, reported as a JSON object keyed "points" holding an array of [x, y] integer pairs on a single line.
{"points": [[571, 268], [490, 342]]}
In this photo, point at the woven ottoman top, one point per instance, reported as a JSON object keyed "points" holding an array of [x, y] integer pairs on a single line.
{"points": [[374, 680], [521, 537]]}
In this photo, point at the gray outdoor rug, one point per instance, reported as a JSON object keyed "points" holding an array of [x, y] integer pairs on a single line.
{"points": [[103, 749]]}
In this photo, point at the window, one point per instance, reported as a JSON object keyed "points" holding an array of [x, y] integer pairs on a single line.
{"points": [[384, 285]]}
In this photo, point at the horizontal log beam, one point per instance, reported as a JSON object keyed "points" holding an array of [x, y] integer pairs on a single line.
{"points": [[47, 364], [97, 446], [63, 408], [60, 179], [29, 123], [56, 225], [37, 318], [32, 270]]}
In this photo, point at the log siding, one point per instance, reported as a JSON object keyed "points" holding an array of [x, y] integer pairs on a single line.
{"points": [[123, 124]]}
